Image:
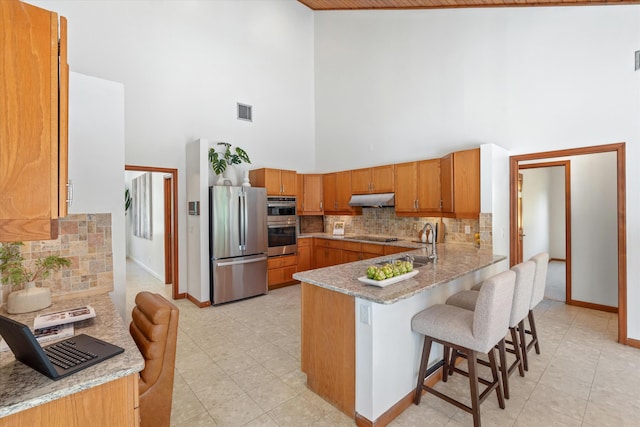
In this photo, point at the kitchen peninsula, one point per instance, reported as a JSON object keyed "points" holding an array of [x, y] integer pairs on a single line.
{"points": [[358, 350], [103, 394]]}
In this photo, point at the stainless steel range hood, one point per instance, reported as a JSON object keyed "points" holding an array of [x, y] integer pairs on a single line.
{"points": [[373, 200]]}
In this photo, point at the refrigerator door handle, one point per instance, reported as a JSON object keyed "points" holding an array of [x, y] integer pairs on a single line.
{"points": [[241, 230], [225, 264], [245, 215]]}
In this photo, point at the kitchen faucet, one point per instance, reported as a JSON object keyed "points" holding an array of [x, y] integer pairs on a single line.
{"points": [[428, 226]]}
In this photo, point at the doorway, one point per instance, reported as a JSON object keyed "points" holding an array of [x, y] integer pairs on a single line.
{"points": [[515, 243], [544, 212], [170, 214]]}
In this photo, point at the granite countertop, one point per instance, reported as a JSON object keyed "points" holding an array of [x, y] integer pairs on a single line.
{"points": [[404, 242], [24, 388], [454, 260]]}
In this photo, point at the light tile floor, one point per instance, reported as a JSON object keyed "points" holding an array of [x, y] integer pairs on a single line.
{"points": [[239, 365]]}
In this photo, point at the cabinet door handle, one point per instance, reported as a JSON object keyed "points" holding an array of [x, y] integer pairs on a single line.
{"points": [[320, 205], [69, 193], [335, 205]]}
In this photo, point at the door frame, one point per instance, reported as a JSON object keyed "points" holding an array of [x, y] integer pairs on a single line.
{"points": [[567, 219], [174, 246], [168, 228], [619, 149]]}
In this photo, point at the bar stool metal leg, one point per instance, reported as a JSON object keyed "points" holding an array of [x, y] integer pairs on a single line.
{"points": [[523, 345], [472, 360], [422, 373]]}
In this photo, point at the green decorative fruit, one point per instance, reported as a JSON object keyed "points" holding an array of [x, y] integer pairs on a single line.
{"points": [[409, 266], [371, 272]]}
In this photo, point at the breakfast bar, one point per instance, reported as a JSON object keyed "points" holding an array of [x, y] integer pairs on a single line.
{"points": [[358, 350], [103, 394]]}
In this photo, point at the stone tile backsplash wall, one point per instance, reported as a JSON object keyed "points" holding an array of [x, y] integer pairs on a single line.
{"points": [[384, 222], [86, 240]]}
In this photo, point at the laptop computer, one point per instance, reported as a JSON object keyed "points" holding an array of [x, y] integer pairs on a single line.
{"points": [[57, 360]]}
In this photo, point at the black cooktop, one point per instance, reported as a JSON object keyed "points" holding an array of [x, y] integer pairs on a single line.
{"points": [[373, 238]]}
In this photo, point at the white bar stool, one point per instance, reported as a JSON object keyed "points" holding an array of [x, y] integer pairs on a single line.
{"points": [[519, 309], [539, 283], [469, 332]]}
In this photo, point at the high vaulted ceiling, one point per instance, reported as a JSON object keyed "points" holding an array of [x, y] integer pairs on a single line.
{"points": [[439, 4]]}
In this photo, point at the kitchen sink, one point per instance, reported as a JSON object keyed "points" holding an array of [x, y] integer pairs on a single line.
{"points": [[421, 260], [418, 261]]}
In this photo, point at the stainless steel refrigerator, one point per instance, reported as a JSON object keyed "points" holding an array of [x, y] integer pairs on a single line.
{"points": [[237, 242]]}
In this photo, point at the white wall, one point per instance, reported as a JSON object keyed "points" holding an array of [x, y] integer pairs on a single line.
{"points": [[543, 198], [389, 85], [399, 85], [149, 253], [198, 181], [557, 226], [185, 65], [594, 243], [96, 160], [536, 205]]}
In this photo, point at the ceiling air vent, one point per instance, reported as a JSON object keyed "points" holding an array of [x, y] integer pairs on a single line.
{"points": [[245, 112]]}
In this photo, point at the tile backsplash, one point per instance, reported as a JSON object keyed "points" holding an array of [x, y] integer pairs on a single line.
{"points": [[85, 239], [384, 222]]}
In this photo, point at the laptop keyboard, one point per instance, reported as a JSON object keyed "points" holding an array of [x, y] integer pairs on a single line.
{"points": [[65, 355]]}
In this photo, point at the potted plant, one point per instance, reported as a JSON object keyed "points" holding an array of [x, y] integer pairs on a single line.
{"points": [[225, 156], [23, 275]]}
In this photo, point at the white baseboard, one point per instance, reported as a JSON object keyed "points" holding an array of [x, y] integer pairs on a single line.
{"points": [[147, 269]]}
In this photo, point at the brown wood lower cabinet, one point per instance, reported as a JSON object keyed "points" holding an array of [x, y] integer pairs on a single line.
{"points": [[280, 270], [329, 252], [305, 247], [328, 342], [111, 404], [388, 250]]}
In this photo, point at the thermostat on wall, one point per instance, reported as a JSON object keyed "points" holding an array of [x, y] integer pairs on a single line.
{"points": [[194, 208]]}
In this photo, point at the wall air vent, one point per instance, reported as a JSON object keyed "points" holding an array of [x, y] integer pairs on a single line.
{"points": [[245, 112]]}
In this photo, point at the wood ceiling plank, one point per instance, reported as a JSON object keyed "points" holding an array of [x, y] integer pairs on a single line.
{"points": [[433, 4]]}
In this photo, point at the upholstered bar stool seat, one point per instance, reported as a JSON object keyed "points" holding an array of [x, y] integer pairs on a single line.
{"points": [[469, 332], [539, 283], [519, 309]]}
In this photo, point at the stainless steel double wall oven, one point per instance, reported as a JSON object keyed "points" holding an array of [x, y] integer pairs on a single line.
{"points": [[282, 225]]}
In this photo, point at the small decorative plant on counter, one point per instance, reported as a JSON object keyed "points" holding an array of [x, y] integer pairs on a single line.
{"points": [[225, 156], [22, 275]]}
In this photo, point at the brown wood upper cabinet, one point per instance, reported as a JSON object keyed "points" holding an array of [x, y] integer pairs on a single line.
{"points": [[337, 193], [460, 184], [33, 149], [310, 194], [418, 187], [278, 182], [373, 180]]}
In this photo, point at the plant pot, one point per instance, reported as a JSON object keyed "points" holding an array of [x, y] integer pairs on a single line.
{"points": [[229, 176], [28, 300]]}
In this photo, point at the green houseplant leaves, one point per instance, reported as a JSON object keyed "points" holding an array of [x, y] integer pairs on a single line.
{"points": [[226, 156]]}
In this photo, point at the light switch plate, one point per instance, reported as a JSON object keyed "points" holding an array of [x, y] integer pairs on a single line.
{"points": [[467, 229], [365, 317]]}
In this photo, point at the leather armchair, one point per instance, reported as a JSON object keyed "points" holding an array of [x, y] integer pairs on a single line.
{"points": [[154, 328]]}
